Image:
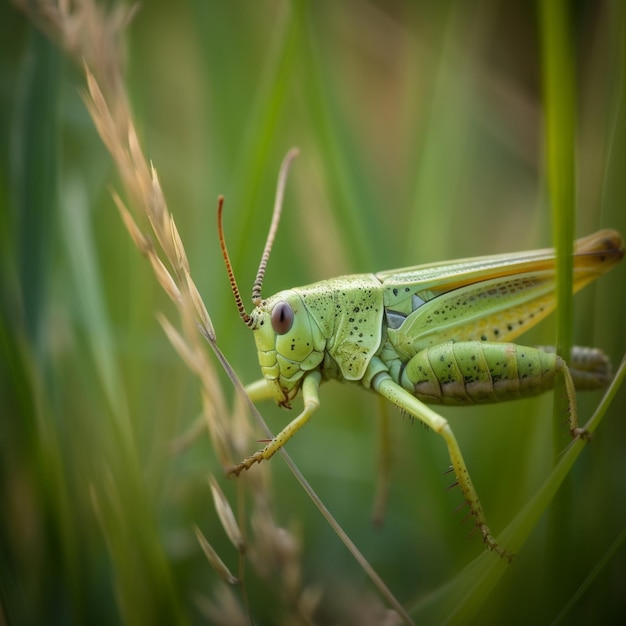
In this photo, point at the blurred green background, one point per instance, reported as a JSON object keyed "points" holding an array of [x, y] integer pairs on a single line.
{"points": [[420, 132]]}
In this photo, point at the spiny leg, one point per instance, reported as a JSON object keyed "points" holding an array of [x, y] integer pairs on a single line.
{"points": [[310, 394], [386, 387], [561, 366]]}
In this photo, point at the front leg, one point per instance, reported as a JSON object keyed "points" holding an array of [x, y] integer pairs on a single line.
{"points": [[310, 395]]}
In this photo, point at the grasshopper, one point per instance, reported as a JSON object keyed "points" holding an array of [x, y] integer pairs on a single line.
{"points": [[430, 334]]}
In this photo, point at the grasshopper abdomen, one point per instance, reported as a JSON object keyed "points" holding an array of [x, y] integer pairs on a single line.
{"points": [[474, 372]]}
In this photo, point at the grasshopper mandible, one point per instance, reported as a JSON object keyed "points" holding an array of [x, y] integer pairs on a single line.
{"points": [[436, 334]]}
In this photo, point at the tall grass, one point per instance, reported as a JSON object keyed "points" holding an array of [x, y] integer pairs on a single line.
{"points": [[421, 138]]}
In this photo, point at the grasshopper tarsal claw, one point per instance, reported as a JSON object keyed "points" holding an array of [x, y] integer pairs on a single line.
{"points": [[246, 464]]}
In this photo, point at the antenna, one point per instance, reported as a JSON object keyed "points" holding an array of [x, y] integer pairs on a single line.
{"points": [[258, 283], [229, 268], [278, 206]]}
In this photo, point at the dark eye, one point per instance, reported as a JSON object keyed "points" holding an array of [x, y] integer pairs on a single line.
{"points": [[282, 318]]}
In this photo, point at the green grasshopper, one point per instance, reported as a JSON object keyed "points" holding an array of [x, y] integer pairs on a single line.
{"points": [[437, 334]]}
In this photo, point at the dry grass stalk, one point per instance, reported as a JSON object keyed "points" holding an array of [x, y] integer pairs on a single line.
{"points": [[213, 557], [226, 516], [225, 610], [92, 37]]}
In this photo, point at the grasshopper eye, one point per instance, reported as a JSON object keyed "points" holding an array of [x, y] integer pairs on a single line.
{"points": [[282, 318]]}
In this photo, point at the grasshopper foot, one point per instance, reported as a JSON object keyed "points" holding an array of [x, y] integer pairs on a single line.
{"points": [[246, 464], [493, 545]]}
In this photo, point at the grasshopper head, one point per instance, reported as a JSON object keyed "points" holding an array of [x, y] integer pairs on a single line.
{"points": [[283, 331], [288, 343]]}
